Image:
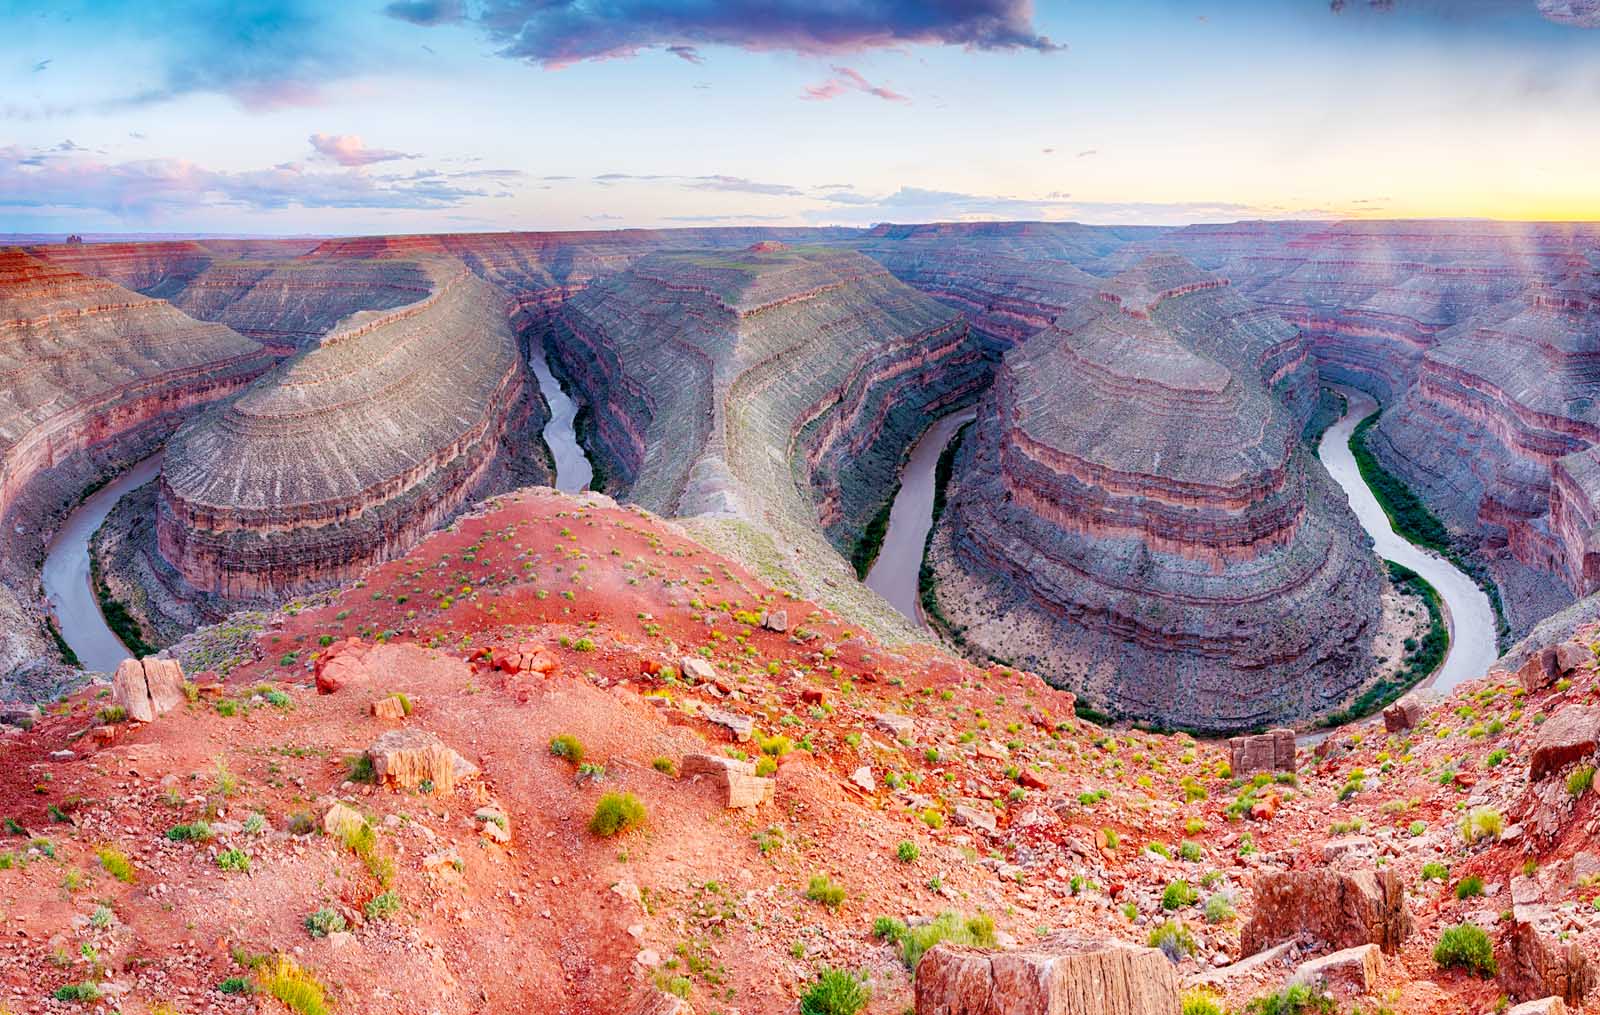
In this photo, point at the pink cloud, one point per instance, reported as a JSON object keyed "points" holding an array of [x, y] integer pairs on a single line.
{"points": [[348, 150], [849, 80]]}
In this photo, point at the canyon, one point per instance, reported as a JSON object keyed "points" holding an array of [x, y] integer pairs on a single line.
{"points": [[767, 387], [1136, 513]]}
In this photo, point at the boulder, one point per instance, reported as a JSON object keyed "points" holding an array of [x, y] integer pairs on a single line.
{"points": [[18, 714], [1539, 670], [776, 620], [741, 726], [737, 780], [1272, 751], [898, 726], [1059, 975], [1356, 969], [974, 817], [1543, 1006], [523, 657], [341, 665], [493, 823], [407, 758], [1570, 655], [342, 822], [147, 688], [1547, 959], [1403, 714], [697, 670], [1343, 910], [392, 708], [1571, 734]]}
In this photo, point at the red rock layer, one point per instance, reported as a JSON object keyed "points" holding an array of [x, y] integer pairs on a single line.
{"points": [[84, 361], [1138, 519], [348, 453]]}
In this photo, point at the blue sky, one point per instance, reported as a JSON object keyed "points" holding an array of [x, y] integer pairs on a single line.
{"points": [[272, 116]]}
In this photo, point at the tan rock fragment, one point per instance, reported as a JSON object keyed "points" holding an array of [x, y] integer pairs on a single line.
{"points": [[1343, 910], [736, 780], [1356, 969], [1060, 975], [407, 758]]}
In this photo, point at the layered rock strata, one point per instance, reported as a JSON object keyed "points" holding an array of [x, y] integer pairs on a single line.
{"points": [[1501, 435], [1137, 519], [89, 368], [348, 453], [776, 386]]}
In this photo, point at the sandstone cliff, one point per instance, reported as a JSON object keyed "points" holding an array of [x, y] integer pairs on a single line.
{"points": [[1137, 519]]}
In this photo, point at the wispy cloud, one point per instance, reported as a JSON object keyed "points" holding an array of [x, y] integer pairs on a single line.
{"points": [[846, 80], [42, 65], [348, 150], [714, 181], [919, 204], [150, 188], [556, 33], [427, 12]]}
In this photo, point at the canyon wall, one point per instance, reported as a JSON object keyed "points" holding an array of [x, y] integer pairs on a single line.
{"points": [[348, 453], [1137, 519], [87, 367], [771, 387]]}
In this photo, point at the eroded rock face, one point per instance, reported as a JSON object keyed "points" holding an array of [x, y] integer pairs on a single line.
{"points": [[1342, 910], [1059, 975], [407, 758], [779, 387], [348, 453], [1138, 520], [1265, 752], [148, 688], [1548, 960], [1571, 734]]}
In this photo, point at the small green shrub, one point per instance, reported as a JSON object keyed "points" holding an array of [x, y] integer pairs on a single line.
{"points": [[1174, 940], [887, 928], [86, 992], [976, 931], [616, 813], [1178, 895], [234, 860], [295, 987], [1581, 780], [1201, 1002], [1482, 823], [382, 906], [1469, 886], [825, 890], [567, 746], [1295, 999], [907, 851], [236, 985], [324, 922], [197, 831], [1435, 871], [1466, 946], [1219, 908], [835, 992], [664, 765], [115, 862]]}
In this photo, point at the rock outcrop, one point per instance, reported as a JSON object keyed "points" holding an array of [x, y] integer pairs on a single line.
{"points": [[148, 688], [1137, 519], [90, 369], [350, 452], [1337, 909], [1058, 975], [1273, 751], [774, 387], [408, 759]]}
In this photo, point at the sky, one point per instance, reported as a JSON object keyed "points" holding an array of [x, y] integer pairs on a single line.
{"points": [[287, 117]]}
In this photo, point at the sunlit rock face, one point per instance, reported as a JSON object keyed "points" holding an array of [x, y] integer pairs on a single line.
{"points": [[90, 368], [1500, 432], [1137, 518], [349, 452]]}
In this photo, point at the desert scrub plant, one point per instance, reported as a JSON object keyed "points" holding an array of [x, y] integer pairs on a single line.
{"points": [[907, 851], [358, 768], [324, 922], [1469, 886], [1433, 870], [1178, 894], [664, 765], [234, 860], [197, 831], [1466, 946], [236, 985], [1295, 999], [1581, 780], [567, 746], [295, 987], [1482, 823], [1174, 940], [116, 863], [1200, 1001], [825, 890], [975, 931], [84, 992], [1219, 908], [383, 906], [835, 992], [616, 813]]}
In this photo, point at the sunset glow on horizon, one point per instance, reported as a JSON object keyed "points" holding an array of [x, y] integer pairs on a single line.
{"points": [[283, 116]]}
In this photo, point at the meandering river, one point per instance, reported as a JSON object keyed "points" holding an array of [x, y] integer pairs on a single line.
{"points": [[894, 575], [66, 573], [1467, 611], [573, 471]]}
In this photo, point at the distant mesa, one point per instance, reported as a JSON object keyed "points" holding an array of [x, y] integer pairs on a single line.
{"points": [[1138, 518]]}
